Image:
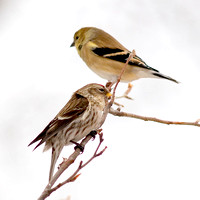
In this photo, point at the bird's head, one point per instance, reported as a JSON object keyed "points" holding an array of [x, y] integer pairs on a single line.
{"points": [[81, 37], [94, 91]]}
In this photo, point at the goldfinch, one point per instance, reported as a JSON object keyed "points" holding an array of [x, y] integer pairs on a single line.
{"points": [[105, 56]]}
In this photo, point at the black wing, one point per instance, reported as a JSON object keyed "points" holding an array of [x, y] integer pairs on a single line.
{"points": [[121, 56]]}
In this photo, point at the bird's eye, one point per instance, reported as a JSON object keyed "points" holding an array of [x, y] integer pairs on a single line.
{"points": [[77, 37], [101, 90]]}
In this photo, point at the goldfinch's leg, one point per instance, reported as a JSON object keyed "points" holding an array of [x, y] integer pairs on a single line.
{"points": [[109, 85], [125, 95], [130, 86]]}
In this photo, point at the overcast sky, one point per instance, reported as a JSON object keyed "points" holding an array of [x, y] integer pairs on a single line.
{"points": [[39, 73]]}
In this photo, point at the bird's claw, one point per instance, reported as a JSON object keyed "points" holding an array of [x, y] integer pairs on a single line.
{"points": [[93, 134], [78, 146]]}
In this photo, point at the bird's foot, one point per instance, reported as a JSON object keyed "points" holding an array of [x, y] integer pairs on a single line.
{"points": [[125, 95], [93, 134], [78, 146], [109, 85], [130, 86]]}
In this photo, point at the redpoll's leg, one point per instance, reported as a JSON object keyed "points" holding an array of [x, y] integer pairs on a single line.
{"points": [[93, 134], [77, 145]]}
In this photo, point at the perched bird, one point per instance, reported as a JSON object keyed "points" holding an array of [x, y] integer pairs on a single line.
{"points": [[81, 115], [106, 57]]}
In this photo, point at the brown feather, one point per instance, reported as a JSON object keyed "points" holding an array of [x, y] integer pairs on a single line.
{"points": [[75, 107]]}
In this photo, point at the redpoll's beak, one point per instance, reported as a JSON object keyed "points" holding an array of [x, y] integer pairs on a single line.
{"points": [[73, 44], [108, 94]]}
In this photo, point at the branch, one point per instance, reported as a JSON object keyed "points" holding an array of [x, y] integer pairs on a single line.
{"points": [[74, 176], [109, 104], [67, 162], [124, 114], [120, 76], [153, 119]]}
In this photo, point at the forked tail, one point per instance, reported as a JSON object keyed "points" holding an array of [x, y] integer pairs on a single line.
{"points": [[54, 158]]}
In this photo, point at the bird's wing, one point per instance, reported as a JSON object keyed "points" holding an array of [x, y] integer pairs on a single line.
{"points": [[74, 108], [121, 55]]}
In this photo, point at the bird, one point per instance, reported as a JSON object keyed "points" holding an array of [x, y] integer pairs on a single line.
{"points": [[81, 115], [105, 56]]}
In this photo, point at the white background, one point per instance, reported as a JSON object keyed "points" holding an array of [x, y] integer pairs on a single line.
{"points": [[39, 72]]}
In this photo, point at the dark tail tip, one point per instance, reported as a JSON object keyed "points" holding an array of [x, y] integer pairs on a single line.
{"points": [[165, 77]]}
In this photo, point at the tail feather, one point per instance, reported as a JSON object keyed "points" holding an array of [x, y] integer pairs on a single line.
{"points": [[159, 75], [54, 157]]}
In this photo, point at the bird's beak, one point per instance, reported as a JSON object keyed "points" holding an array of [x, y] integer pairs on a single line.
{"points": [[108, 94], [73, 44]]}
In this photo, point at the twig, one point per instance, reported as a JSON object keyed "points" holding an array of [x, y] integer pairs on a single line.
{"points": [[95, 153], [48, 189], [63, 167], [120, 76], [108, 106], [72, 178], [125, 95], [130, 86], [125, 114]]}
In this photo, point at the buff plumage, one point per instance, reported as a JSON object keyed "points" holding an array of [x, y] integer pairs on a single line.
{"points": [[104, 55]]}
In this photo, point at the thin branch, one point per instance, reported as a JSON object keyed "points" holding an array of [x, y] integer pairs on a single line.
{"points": [[66, 163], [108, 106], [125, 114], [63, 167], [125, 95], [74, 176], [95, 153], [120, 76]]}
